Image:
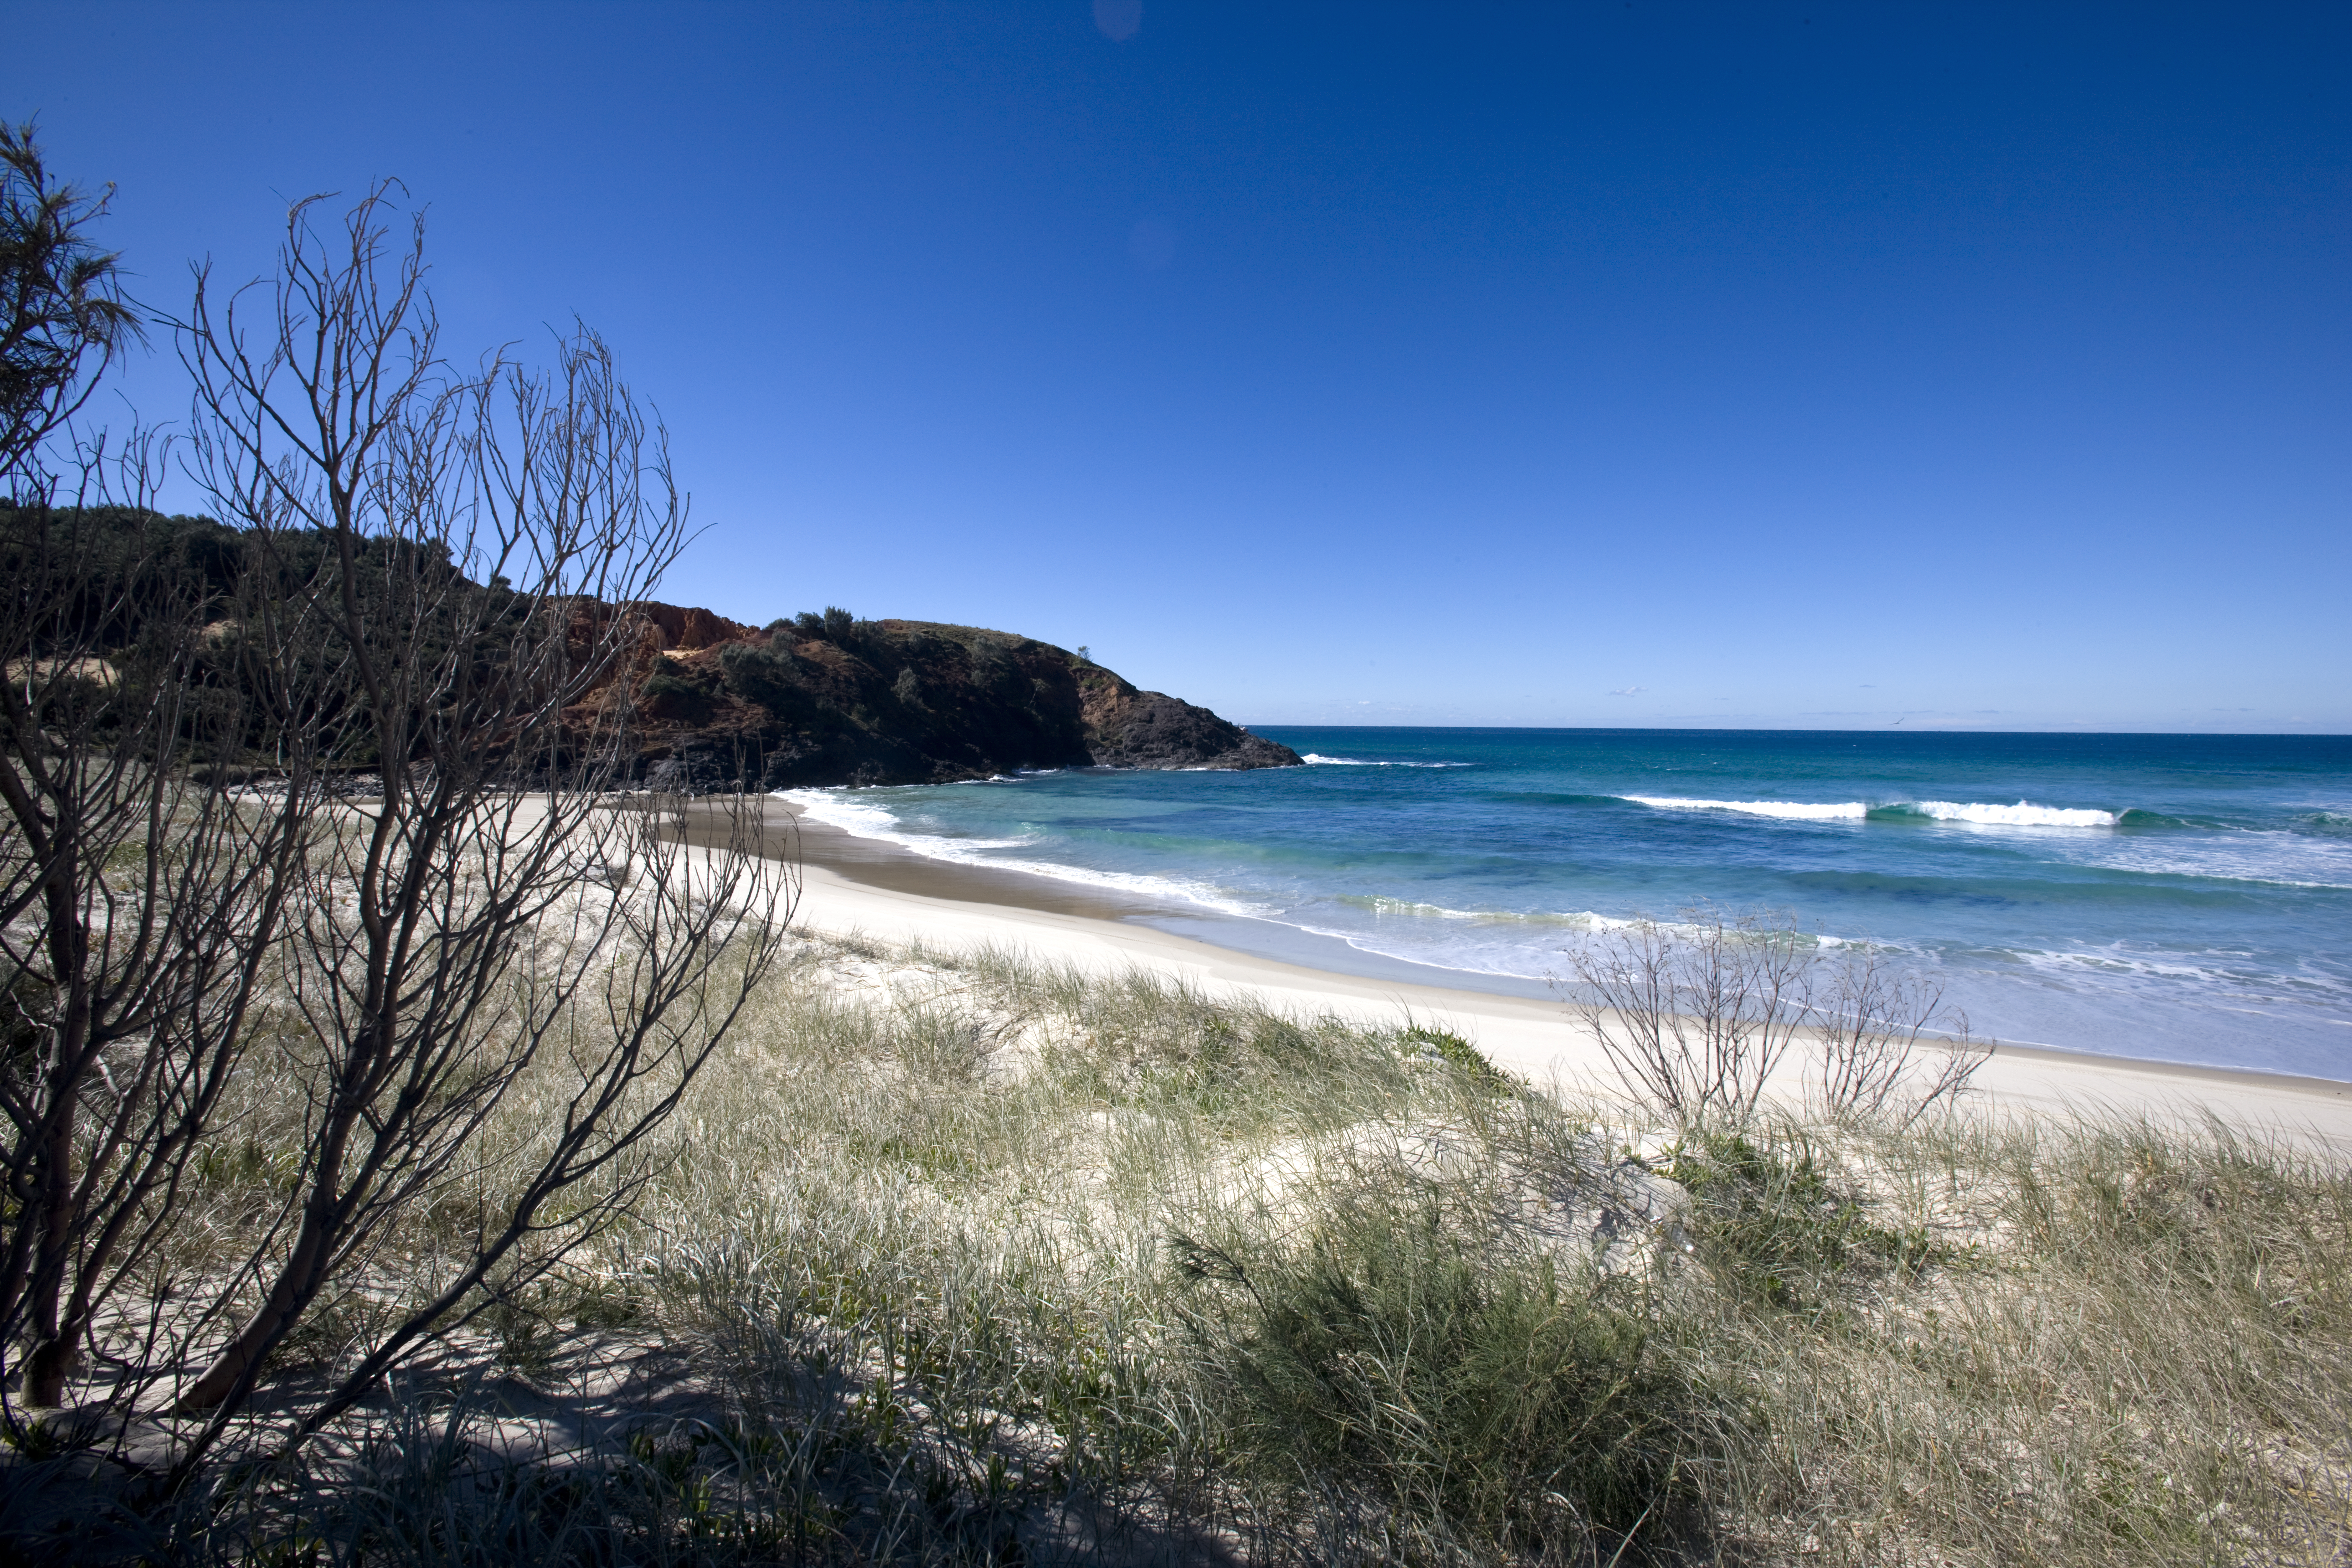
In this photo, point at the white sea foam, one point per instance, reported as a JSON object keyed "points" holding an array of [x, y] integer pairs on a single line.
{"points": [[1483, 942], [1791, 810], [2221, 973], [1540, 923], [2279, 859], [2022, 814], [1512, 963], [841, 808], [1317, 759], [1381, 906], [856, 817], [2018, 815]]}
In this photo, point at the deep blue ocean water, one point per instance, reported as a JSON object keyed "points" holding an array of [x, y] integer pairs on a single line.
{"points": [[2173, 897]]}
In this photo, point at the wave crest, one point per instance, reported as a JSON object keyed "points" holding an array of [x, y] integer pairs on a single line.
{"points": [[1315, 759], [1788, 810], [2022, 814]]}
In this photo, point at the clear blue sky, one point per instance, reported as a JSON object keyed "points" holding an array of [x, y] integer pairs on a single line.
{"points": [[1765, 364]]}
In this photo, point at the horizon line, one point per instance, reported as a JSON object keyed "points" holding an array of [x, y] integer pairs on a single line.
{"points": [[1808, 729]]}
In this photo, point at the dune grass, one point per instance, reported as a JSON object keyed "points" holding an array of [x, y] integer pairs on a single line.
{"points": [[977, 1259]]}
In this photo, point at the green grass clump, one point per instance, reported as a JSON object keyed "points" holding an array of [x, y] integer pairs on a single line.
{"points": [[1776, 1225], [1461, 1054], [1478, 1405], [2077, 1343]]}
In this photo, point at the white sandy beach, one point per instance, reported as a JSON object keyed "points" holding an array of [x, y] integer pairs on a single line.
{"points": [[863, 887]]}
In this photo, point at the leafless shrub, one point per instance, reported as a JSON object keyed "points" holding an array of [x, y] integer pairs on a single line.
{"points": [[433, 555], [1696, 1017], [139, 913], [435, 581], [138, 908], [1889, 1048]]}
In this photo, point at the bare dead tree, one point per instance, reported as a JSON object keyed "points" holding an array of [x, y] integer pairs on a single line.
{"points": [[1695, 1019], [1888, 1048], [441, 543], [139, 908]]}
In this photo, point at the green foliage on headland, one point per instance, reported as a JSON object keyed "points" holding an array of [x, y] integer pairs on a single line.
{"points": [[900, 701], [829, 697]]}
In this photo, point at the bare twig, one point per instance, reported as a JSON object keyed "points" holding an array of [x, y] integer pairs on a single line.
{"points": [[1695, 1019]]}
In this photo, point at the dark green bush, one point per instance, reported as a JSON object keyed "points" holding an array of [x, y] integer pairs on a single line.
{"points": [[1776, 1226], [768, 676], [668, 694]]}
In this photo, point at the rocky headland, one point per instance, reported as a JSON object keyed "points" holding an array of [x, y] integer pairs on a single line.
{"points": [[831, 699]]}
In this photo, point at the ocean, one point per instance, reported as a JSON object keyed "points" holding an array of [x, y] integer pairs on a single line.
{"points": [[2176, 898]]}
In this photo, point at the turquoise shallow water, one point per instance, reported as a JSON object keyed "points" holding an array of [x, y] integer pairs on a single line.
{"points": [[2180, 898]]}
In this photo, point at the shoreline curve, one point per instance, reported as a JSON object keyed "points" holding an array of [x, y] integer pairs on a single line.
{"points": [[880, 891]]}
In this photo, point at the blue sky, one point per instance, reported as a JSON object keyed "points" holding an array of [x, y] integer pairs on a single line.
{"points": [[1649, 363]]}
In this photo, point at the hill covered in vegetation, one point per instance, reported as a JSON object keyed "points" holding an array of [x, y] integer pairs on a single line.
{"points": [[819, 698], [831, 698]]}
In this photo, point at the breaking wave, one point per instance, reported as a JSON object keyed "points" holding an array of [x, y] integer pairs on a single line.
{"points": [[1315, 759], [1379, 906], [1788, 810], [2022, 814], [837, 809], [2018, 815]]}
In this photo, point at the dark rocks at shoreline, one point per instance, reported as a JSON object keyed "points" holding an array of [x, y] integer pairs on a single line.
{"points": [[1130, 729]]}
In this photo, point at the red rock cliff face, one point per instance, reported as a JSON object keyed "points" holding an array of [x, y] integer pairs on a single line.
{"points": [[692, 631], [719, 704]]}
